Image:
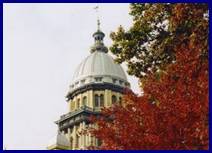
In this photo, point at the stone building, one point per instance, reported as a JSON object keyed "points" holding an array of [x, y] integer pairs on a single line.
{"points": [[97, 82]]}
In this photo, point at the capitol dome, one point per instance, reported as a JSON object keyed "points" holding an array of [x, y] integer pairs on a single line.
{"points": [[98, 68], [99, 64]]}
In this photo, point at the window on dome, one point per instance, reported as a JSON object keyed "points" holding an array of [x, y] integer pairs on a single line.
{"points": [[84, 101], [101, 100], [98, 79], [96, 101], [114, 99], [83, 81], [120, 82], [114, 81]]}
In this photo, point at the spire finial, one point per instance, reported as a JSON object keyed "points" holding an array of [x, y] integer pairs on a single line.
{"points": [[98, 24], [98, 21], [98, 36]]}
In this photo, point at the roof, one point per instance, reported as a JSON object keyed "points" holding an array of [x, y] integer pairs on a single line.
{"points": [[99, 63]]}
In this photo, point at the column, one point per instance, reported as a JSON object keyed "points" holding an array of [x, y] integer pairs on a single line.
{"points": [[74, 137], [105, 98], [80, 100], [83, 136], [89, 137], [80, 138], [109, 98], [69, 103], [69, 132], [90, 99]]}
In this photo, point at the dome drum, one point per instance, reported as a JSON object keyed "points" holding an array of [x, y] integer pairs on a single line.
{"points": [[93, 86]]}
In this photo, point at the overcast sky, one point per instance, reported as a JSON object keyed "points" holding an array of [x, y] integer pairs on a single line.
{"points": [[43, 44]]}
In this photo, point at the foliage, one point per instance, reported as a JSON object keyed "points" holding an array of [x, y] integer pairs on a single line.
{"points": [[173, 112], [148, 46]]}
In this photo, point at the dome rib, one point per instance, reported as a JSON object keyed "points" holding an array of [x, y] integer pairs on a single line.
{"points": [[83, 67], [103, 63], [93, 63]]}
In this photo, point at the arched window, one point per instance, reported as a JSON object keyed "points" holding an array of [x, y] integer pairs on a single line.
{"points": [[101, 100], [114, 99], [96, 100], [84, 101]]}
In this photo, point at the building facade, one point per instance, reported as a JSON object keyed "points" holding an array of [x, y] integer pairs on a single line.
{"points": [[97, 82]]}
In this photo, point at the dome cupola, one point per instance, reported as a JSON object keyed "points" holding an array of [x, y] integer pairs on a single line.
{"points": [[98, 41]]}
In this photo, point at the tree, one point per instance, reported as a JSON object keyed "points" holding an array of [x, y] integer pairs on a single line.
{"points": [[148, 46], [173, 112]]}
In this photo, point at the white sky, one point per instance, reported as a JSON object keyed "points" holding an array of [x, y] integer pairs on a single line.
{"points": [[43, 44]]}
